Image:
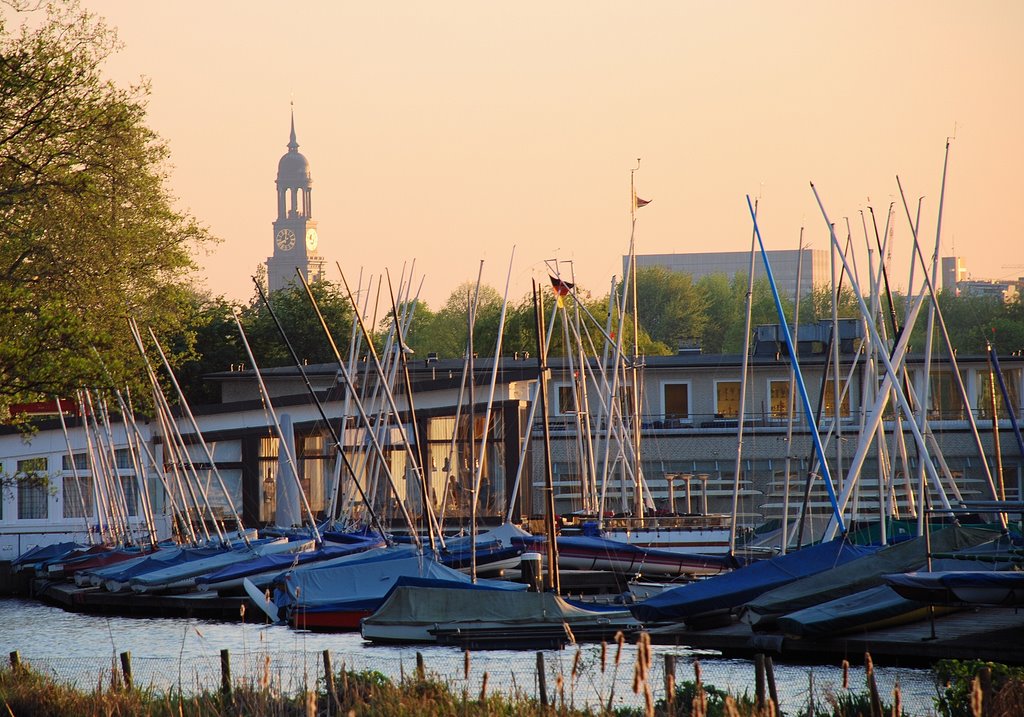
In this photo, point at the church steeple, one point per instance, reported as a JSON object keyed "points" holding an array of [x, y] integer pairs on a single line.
{"points": [[295, 236], [293, 145]]}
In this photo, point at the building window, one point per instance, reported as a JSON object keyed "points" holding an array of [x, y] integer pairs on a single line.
{"points": [[944, 397], [33, 489], [78, 496], [130, 490], [778, 392], [677, 401], [314, 464], [1011, 377], [727, 399], [626, 403], [566, 401], [81, 462], [830, 400]]}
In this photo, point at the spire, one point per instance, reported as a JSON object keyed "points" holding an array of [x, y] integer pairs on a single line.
{"points": [[293, 145]]}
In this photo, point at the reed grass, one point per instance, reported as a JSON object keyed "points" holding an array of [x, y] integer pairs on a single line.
{"points": [[25, 692]]}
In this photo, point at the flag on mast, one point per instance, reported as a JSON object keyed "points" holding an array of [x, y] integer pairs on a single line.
{"points": [[638, 202], [561, 288]]}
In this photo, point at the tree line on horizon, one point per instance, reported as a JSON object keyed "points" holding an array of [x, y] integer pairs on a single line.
{"points": [[673, 311]]}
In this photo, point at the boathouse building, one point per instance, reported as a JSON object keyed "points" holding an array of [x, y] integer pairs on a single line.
{"points": [[688, 445]]}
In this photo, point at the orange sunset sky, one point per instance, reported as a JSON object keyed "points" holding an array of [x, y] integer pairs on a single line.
{"points": [[447, 132]]}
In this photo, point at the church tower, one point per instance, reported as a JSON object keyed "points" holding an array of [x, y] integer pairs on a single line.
{"points": [[295, 236]]}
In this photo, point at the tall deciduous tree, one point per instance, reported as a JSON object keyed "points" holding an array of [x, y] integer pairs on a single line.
{"points": [[669, 306], [88, 230], [301, 325]]}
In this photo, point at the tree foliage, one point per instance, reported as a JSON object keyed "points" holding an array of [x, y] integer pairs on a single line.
{"points": [[670, 306], [89, 233], [300, 323]]}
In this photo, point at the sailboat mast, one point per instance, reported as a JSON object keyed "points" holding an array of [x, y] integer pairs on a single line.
{"points": [[554, 580], [323, 415], [638, 479], [791, 396], [745, 365], [819, 448]]}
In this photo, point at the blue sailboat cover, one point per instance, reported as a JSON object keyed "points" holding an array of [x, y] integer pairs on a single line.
{"points": [[285, 561], [738, 587]]}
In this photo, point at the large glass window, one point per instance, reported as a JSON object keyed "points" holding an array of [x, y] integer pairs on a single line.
{"points": [[1011, 378], [727, 399], [33, 489], [944, 397], [778, 392], [830, 401], [130, 490], [78, 496], [566, 401], [81, 462], [314, 463], [677, 401]]}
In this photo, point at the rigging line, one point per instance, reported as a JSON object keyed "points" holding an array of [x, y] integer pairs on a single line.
{"points": [[323, 414], [530, 419], [389, 396], [173, 434], [368, 425], [930, 467], [152, 461], [829, 487], [122, 492], [74, 473], [744, 370], [403, 363], [284, 442], [142, 470], [201, 439], [930, 287], [133, 450]]}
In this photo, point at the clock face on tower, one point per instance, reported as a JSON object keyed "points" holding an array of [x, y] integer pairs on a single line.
{"points": [[285, 239], [311, 239]]}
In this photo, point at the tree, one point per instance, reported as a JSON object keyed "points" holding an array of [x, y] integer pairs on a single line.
{"points": [[727, 307], [669, 306], [89, 234], [209, 343], [721, 311], [446, 331], [301, 325]]}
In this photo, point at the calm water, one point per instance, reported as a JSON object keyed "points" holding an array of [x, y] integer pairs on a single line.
{"points": [[186, 654]]}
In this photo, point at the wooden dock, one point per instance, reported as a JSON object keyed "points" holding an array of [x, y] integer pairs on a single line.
{"points": [[995, 634]]}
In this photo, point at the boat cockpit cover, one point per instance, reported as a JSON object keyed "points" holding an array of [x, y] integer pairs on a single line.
{"points": [[746, 583]]}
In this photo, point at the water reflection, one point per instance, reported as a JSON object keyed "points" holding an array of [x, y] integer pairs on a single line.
{"points": [[185, 653]]}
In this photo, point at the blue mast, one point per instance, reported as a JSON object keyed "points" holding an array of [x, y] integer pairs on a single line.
{"points": [[808, 412]]}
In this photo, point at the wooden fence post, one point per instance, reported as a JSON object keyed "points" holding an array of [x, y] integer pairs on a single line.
{"points": [[332, 693], [15, 661], [421, 670], [810, 693], [126, 670], [773, 692], [670, 682], [225, 672], [542, 680], [759, 681]]}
